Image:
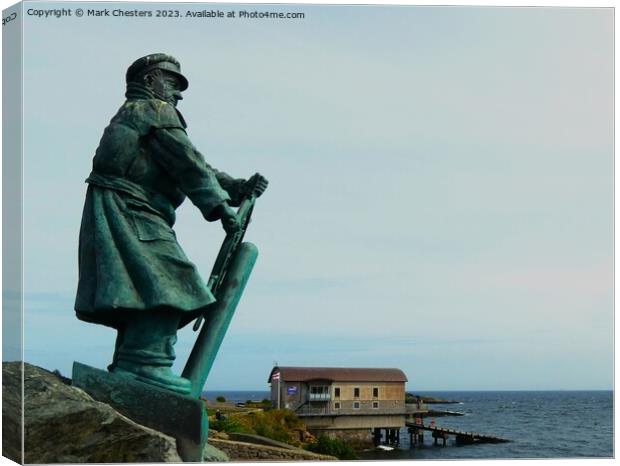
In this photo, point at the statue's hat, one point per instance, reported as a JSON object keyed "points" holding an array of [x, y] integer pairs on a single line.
{"points": [[161, 61]]}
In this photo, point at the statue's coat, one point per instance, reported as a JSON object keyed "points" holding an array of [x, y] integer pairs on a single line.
{"points": [[129, 258]]}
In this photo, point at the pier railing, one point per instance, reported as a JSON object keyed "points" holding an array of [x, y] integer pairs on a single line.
{"points": [[416, 429]]}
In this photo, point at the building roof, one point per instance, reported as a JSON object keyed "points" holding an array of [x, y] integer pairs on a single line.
{"points": [[338, 374]]}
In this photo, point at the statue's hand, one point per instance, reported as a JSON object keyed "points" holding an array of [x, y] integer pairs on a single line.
{"points": [[256, 185], [229, 219]]}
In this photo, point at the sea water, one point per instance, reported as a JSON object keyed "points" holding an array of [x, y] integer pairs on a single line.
{"points": [[539, 424]]}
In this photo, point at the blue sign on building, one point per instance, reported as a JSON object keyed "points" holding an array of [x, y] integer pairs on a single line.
{"points": [[291, 390]]}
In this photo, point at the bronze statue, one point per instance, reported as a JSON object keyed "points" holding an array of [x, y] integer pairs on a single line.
{"points": [[133, 274]]}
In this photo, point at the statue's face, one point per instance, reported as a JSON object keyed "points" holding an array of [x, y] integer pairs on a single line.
{"points": [[165, 86]]}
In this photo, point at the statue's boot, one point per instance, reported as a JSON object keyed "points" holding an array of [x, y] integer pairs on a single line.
{"points": [[146, 351], [159, 376]]}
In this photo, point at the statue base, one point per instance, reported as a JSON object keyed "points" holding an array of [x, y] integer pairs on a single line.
{"points": [[179, 416]]}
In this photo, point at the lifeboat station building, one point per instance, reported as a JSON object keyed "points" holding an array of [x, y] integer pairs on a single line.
{"points": [[359, 404]]}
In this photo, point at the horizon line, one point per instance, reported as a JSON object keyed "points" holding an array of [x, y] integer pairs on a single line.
{"points": [[456, 390]]}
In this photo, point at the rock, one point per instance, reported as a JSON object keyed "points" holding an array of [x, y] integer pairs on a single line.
{"points": [[212, 454], [65, 425], [243, 451], [258, 440], [219, 435], [12, 411]]}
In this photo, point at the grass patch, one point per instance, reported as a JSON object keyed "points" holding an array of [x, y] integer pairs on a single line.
{"points": [[332, 446]]}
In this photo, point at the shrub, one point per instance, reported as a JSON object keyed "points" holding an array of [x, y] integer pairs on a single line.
{"points": [[333, 446], [229, 424], [221, 399], [277, 424], [263, 404]]}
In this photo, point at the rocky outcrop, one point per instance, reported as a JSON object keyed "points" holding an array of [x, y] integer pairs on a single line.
{"points": [[65, 425], [242, 451], [12, 411]]}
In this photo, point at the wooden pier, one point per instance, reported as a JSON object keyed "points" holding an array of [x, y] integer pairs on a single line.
{"points": [[416, 435]]}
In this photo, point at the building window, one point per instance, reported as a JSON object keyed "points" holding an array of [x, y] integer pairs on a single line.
{"points": [[375, 405], [319, 393], [319, 390], [337, 392], [375, 392], [356, 405], [356, 392], [337, 405]]}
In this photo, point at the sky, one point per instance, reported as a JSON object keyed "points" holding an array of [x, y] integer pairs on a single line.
{"points": [[440, 197]]}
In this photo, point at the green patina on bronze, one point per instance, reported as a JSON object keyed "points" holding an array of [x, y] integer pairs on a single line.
{"points": [[218, 317], [143, 169], [133, 274]]}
